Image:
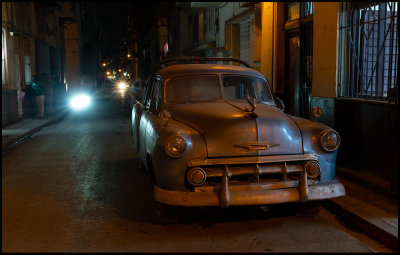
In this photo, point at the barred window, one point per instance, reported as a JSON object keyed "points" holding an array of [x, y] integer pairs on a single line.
{"points": [[368, 50]]}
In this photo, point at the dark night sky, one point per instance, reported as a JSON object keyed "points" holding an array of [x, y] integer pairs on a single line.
{"points": [[113, 16]]}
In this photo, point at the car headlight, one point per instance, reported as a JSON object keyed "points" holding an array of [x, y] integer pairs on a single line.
{"points": [[122, 85], [80, 102], [329, 140], [175, 146]]}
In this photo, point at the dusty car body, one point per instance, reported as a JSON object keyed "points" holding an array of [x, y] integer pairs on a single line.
{"points": [[212, 135]]}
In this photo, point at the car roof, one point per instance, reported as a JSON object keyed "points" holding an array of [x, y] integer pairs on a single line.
{"points": [[189, 69]]}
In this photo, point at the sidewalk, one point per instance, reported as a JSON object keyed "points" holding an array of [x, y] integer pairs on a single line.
{"points": [[26, 127], [375, 213], [366, 205]]}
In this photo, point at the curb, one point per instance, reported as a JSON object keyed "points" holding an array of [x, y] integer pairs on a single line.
{"points": [[373, 183], [13, 141], [379, 231]]}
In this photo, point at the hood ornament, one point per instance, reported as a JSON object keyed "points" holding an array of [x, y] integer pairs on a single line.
{"points": [[257, 145], [252, 103]]}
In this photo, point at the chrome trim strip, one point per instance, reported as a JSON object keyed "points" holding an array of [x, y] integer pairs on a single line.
{"points": [[257, 170], [251, 160]]}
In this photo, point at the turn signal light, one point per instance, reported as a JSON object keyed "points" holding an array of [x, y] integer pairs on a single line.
{"points": [[313, 169], [196, 176]]}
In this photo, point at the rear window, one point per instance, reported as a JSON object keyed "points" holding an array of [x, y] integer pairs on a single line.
{"points": [[192, 88]]}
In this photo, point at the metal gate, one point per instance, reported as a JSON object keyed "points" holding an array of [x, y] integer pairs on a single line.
{"points": [[245, 40], [306, 57]]}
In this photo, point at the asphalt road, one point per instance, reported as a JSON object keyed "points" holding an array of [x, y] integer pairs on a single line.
{"points": [[75, 186]]}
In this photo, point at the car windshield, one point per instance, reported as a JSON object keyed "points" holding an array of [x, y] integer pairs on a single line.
{"points": [[241, 87], [193, 88], [201, 87]]}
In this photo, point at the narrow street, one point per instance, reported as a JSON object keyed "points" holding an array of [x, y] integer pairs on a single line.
{"points": [[76, 186]]}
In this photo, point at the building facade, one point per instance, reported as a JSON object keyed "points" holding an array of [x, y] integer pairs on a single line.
{"points": [[37, 38], [19, 32]]}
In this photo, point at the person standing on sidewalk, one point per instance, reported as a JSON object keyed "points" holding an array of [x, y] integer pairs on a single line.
{"points": [[30, 98], [48, 92], [39, 95], [58, 92]]}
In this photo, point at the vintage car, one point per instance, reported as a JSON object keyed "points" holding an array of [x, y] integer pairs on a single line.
{"points": [[214, 135]]}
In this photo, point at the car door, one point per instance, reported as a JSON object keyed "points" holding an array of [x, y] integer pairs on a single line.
{"points": [[146, 120], [137, 111]]}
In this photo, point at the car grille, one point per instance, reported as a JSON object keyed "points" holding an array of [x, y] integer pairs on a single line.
{"points": [[273, 174], [270, 175]]}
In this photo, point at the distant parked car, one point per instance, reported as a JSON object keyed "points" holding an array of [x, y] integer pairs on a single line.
{"points": [[213, 135]]}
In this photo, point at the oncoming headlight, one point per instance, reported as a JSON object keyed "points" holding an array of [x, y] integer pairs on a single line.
{"points": [[80, 102], [175, 146], [329, 140], [122, 85]]}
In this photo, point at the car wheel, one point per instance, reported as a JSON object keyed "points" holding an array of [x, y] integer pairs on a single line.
{"points": [[141, 166], [308, 209]]}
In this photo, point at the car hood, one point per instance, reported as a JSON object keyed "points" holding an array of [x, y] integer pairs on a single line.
{"points": [[229, 131]]}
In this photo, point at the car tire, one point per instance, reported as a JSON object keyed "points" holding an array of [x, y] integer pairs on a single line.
{"points": [[141, 166], [309, 208]]}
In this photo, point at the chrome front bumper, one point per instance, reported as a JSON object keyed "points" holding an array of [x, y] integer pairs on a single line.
{"points": [[255, 194]]}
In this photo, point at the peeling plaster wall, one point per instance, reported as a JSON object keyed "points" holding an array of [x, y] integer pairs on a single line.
{"points": [[324, 49], [267, 53], [324, 60]]}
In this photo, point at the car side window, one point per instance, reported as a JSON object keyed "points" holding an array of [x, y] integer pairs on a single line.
{"points": [[155, 94], [146, 92]]}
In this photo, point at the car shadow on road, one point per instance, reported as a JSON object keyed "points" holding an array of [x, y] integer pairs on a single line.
{"points": [[128, 189]]}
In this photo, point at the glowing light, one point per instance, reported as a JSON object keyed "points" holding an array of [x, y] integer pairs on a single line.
{"points": [[108, 73], [119, 70], [122, 85], [104, 64], [80, 102]]}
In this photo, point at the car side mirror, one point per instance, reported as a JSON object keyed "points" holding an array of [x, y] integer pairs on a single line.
{"points": [[140, 101], [280, 104]]}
